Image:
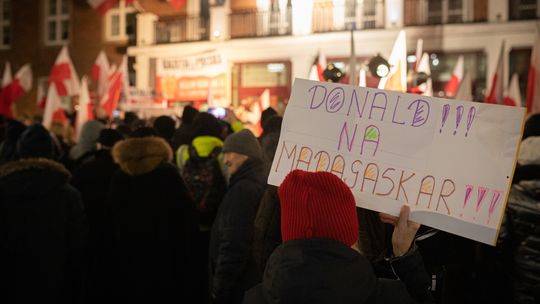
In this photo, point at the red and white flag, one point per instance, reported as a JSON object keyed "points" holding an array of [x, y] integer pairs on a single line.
{"points": [[109, 100], [533, 84], [85, 109], [21, 84], [419, 52], [177, 4], [425, 88], [41, 96], [63, 75], [7, 77], [53, 107], [102, 6], [318, 67], [125, 77], [497, 84], [397, 79], [464, 91], [362, 78], [457, 76], [99, 73], [513, 94]]}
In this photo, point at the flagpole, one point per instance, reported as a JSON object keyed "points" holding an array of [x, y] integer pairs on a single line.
{"points": [[352, 60]]}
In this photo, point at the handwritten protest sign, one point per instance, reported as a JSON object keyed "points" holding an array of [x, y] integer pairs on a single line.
{"points": [[450, 161]]}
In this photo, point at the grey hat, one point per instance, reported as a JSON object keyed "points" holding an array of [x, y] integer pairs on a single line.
{"points": [[243, 142]]}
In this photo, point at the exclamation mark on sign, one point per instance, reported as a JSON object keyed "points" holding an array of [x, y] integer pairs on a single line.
{"points": [[468, 191], [494, 200], [470, 118], [445, 111], [459, 115], [481, 194]]}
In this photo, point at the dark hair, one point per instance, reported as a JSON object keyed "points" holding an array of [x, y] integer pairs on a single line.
{"points": [[189, 114], [164, 126], [206, 124], [143, 132], [266, 115], [532, 126]]}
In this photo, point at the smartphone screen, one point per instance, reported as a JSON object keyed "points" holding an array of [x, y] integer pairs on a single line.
{"points": [[217, 112]]}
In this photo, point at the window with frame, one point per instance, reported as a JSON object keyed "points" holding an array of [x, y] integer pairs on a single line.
{"points": [[120, 22], [57, 21], [524, 9], [5, 24]]}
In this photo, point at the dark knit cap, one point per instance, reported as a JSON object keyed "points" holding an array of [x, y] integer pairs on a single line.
{"points": [[108, 137], [243, 142], [35, 142], [189, 114], [206, 124], [532, 126], [164, 126], [143, 132], [266, 115], [317, 205]]}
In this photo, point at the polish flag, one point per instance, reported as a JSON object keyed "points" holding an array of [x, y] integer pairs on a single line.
{"points": [[513, 94], [7, 77], [21, 84], [318, 67], [99, 73], [125, 78], [362, 78], [457, 76], [53, 107], [177, 4], [497, 85], [102, 6], [63, 75], [464, 91], [426, 88], [397, 79], [533, 85], [41, 96], [109, 101], [84, 113]]}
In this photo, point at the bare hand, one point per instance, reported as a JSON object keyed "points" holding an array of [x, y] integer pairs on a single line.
{"points": [[404, 230]]}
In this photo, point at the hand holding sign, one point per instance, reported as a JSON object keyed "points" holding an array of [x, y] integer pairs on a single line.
{"points": [[404, 230]]}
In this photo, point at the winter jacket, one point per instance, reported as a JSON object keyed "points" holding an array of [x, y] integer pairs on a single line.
{"points": [[204, 145], [151, 214], [42, 234], [318, 271], [519, 241], [267, 234], [232, 234]]}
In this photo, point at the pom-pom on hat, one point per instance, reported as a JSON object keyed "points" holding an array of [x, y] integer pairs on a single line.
{"points": [[317, 205]]}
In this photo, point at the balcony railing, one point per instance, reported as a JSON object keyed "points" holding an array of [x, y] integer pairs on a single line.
{"points": [[329, 17], [524, 9], [181, 30], [261, 23], [428, 12]]}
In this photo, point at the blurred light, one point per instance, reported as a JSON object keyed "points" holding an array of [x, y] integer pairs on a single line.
{"points": [[339, 65], [411, 58], [275, 67], [378, 66], [435, 62], [217, 33], [433, 56], [77, 107]]}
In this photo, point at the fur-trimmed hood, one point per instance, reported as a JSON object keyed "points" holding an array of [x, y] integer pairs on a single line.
{"points": [[32, 176], [138, 156]]}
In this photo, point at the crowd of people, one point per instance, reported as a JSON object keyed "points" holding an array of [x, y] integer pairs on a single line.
{"points": [[148, 212]]}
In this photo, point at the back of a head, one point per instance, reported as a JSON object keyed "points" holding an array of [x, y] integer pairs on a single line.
{"points": [[14, 129], [532, 126], [317, 205], [266, 115], [188, 114], [206, 124], [35, 142], [164, 126], [109, 137], [143, 132]]}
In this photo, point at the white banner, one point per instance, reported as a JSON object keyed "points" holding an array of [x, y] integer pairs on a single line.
{"points": [[450, 161]]}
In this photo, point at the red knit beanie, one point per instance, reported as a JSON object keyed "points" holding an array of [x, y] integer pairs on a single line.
{"points": [[317, 205]]}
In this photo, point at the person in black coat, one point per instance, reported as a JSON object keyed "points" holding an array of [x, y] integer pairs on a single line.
{"points": [[319, 260], [185, 133], [232, 232], [151, 216], [42, 226]]}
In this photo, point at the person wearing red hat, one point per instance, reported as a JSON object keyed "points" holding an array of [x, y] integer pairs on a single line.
{"points": [[319, 260]]}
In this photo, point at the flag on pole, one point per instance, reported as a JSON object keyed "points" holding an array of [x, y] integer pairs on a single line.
{"points": [[53, 106], [464, 91], [533, 84], [318, 67], [352, 62], [497, 84], [84, 113], [21, 84], [63, 75], [125, 78], [41, 96], [425, 88], [419, 52], [457, 76], [397, 79], [7, 77], [100, 72], [513, 94], [109, 101], [362, 80], [102, 6]]}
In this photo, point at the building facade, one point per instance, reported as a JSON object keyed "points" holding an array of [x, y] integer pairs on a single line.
{"points": [[268, 43]]}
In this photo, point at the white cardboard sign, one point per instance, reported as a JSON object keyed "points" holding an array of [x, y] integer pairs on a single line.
{"points": [[451, 161]]}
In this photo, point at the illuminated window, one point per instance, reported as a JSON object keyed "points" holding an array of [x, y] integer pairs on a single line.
{"points": [[57, 22]]}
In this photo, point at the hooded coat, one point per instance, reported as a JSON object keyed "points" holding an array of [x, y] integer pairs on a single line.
{"points": [[232, 233], [42, 233], [151, 216], [323, 271], [87, 140]]}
